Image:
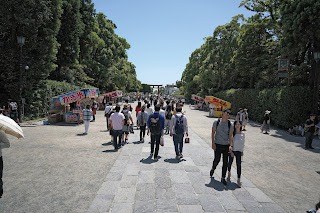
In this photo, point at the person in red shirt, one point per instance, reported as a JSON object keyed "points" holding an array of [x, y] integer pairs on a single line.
{"points": [[138, 109]]}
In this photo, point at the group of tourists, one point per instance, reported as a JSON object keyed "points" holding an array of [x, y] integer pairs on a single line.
{"points": [[11, 110]]}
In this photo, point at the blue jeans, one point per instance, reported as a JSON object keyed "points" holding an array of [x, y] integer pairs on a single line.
{"points": [[237, 154], [116, 134], [178, 143]]}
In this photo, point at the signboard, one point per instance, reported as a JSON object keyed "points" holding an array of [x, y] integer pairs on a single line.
{"points": [[114, 94], [283, 74], [197, 98], [72, 97], [55, 105], [218, 102], [91, 93], [283, 65], [72, 117]]}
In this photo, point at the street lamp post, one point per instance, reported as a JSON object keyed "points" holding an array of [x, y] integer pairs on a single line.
{"points": [[20, 40], [316, 56]]}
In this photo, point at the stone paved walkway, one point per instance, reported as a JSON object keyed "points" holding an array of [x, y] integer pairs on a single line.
{"points": [[137, 183]]}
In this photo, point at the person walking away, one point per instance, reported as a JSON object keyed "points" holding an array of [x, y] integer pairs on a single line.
{"points": [[126, 127], [109, 125], [168, 116], [13, 111], [117, 123], [239, 115], [142, 119], [107, 113], [87, 113], [138, 109], [94, 109], [178, 127], [237, 150], [155, 126], [4, 143], [222, 140], [266, 122], [310, 131], [245, 119], [162, 111], [128, 104], [149, 109]]}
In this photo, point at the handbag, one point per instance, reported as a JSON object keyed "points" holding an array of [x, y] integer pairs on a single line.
{"points": [[161, 141], [187, 140]]}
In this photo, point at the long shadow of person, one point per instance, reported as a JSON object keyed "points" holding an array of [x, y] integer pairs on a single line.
{"points": [[147, 160], [173, 160], [107, 144], [217, 185]]}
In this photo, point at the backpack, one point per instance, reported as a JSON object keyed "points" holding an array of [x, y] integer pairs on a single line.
{"points": [[142, 121], [155, 125], [95, 105], [229, 125], [179, 128], [126, 116], [168, 115]]}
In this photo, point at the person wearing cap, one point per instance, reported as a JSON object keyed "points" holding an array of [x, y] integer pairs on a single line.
{"points": [[266, 122], [310, 131]]}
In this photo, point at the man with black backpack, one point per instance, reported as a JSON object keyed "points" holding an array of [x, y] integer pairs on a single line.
{"points": [[178, 127], [155, 126], [222, 139]]}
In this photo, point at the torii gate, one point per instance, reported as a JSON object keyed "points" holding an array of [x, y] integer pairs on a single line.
{"points": [[156, 85]]}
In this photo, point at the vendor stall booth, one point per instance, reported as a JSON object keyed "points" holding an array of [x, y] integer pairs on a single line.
{"points": [[113, 97], [198, 101], [216, 106], [68, 107]]}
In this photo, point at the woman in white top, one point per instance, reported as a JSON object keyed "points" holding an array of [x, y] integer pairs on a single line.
{"points": [[237, 149]]}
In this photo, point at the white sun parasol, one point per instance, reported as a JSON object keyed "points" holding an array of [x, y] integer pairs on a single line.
{"points": [[10, 127]]}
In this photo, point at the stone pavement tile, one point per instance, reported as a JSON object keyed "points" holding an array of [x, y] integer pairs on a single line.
{"points": [[161, 172], [125, 195], [166, 206], [114, 176], [163, 182], [191, 169], [188, 161], [185, 194], [245, 182], [165, 194], [190, 208], [121, 162], [109, 188], [174, 164], [250, 204], [160, 165], [146, 149], [146, 176], [272, 207], [229, 201], [122, 208], [231, 211], [128, 181], [144, 166], [145, 191], [179, 176], [259, 195], [101, 203], [132, 171], [144, 206], [243, 195], [210, 203], [116, 169]]}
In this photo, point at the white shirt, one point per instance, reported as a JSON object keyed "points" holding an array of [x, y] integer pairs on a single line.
{"points": [[238, 142], [117, 119], [149, 111], [162, 112], [4, 142], [108, 108]]}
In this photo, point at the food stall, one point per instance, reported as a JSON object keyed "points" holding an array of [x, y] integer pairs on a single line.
{"points": [[110, 97], [199, 100], [68, 107], [216, 106]]}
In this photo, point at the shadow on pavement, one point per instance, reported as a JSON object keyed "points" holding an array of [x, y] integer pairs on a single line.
{"points": [[65, 124], [104, 131], [81, 134], [107, 144], [111, 150], [217, 185], [137, 142], [173, 160], [148, 160]]}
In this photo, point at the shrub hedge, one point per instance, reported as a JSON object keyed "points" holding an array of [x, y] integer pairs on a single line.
{"points": [[288, 106]]}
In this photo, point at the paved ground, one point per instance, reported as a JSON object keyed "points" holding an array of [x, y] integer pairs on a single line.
{"points": [[276, 163], [57, 169]]}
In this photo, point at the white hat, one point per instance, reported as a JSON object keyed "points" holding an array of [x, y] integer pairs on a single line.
{"points": [[267, 111]]}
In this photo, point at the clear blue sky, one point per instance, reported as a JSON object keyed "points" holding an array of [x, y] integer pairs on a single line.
{"points": [[164, 33]]}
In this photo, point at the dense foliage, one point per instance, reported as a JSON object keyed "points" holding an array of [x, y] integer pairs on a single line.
{"points": [[288, 106], [244, 53], [65, 41]]}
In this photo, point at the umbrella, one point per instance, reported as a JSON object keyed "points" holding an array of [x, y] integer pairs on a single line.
{"points": [[10, 127]]}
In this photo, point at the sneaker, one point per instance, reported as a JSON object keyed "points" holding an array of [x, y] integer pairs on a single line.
{"points": [[239, 183], [122, 144], [181, 155], [211, 172], [223, 180], [177, 157], [156, 158]]}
